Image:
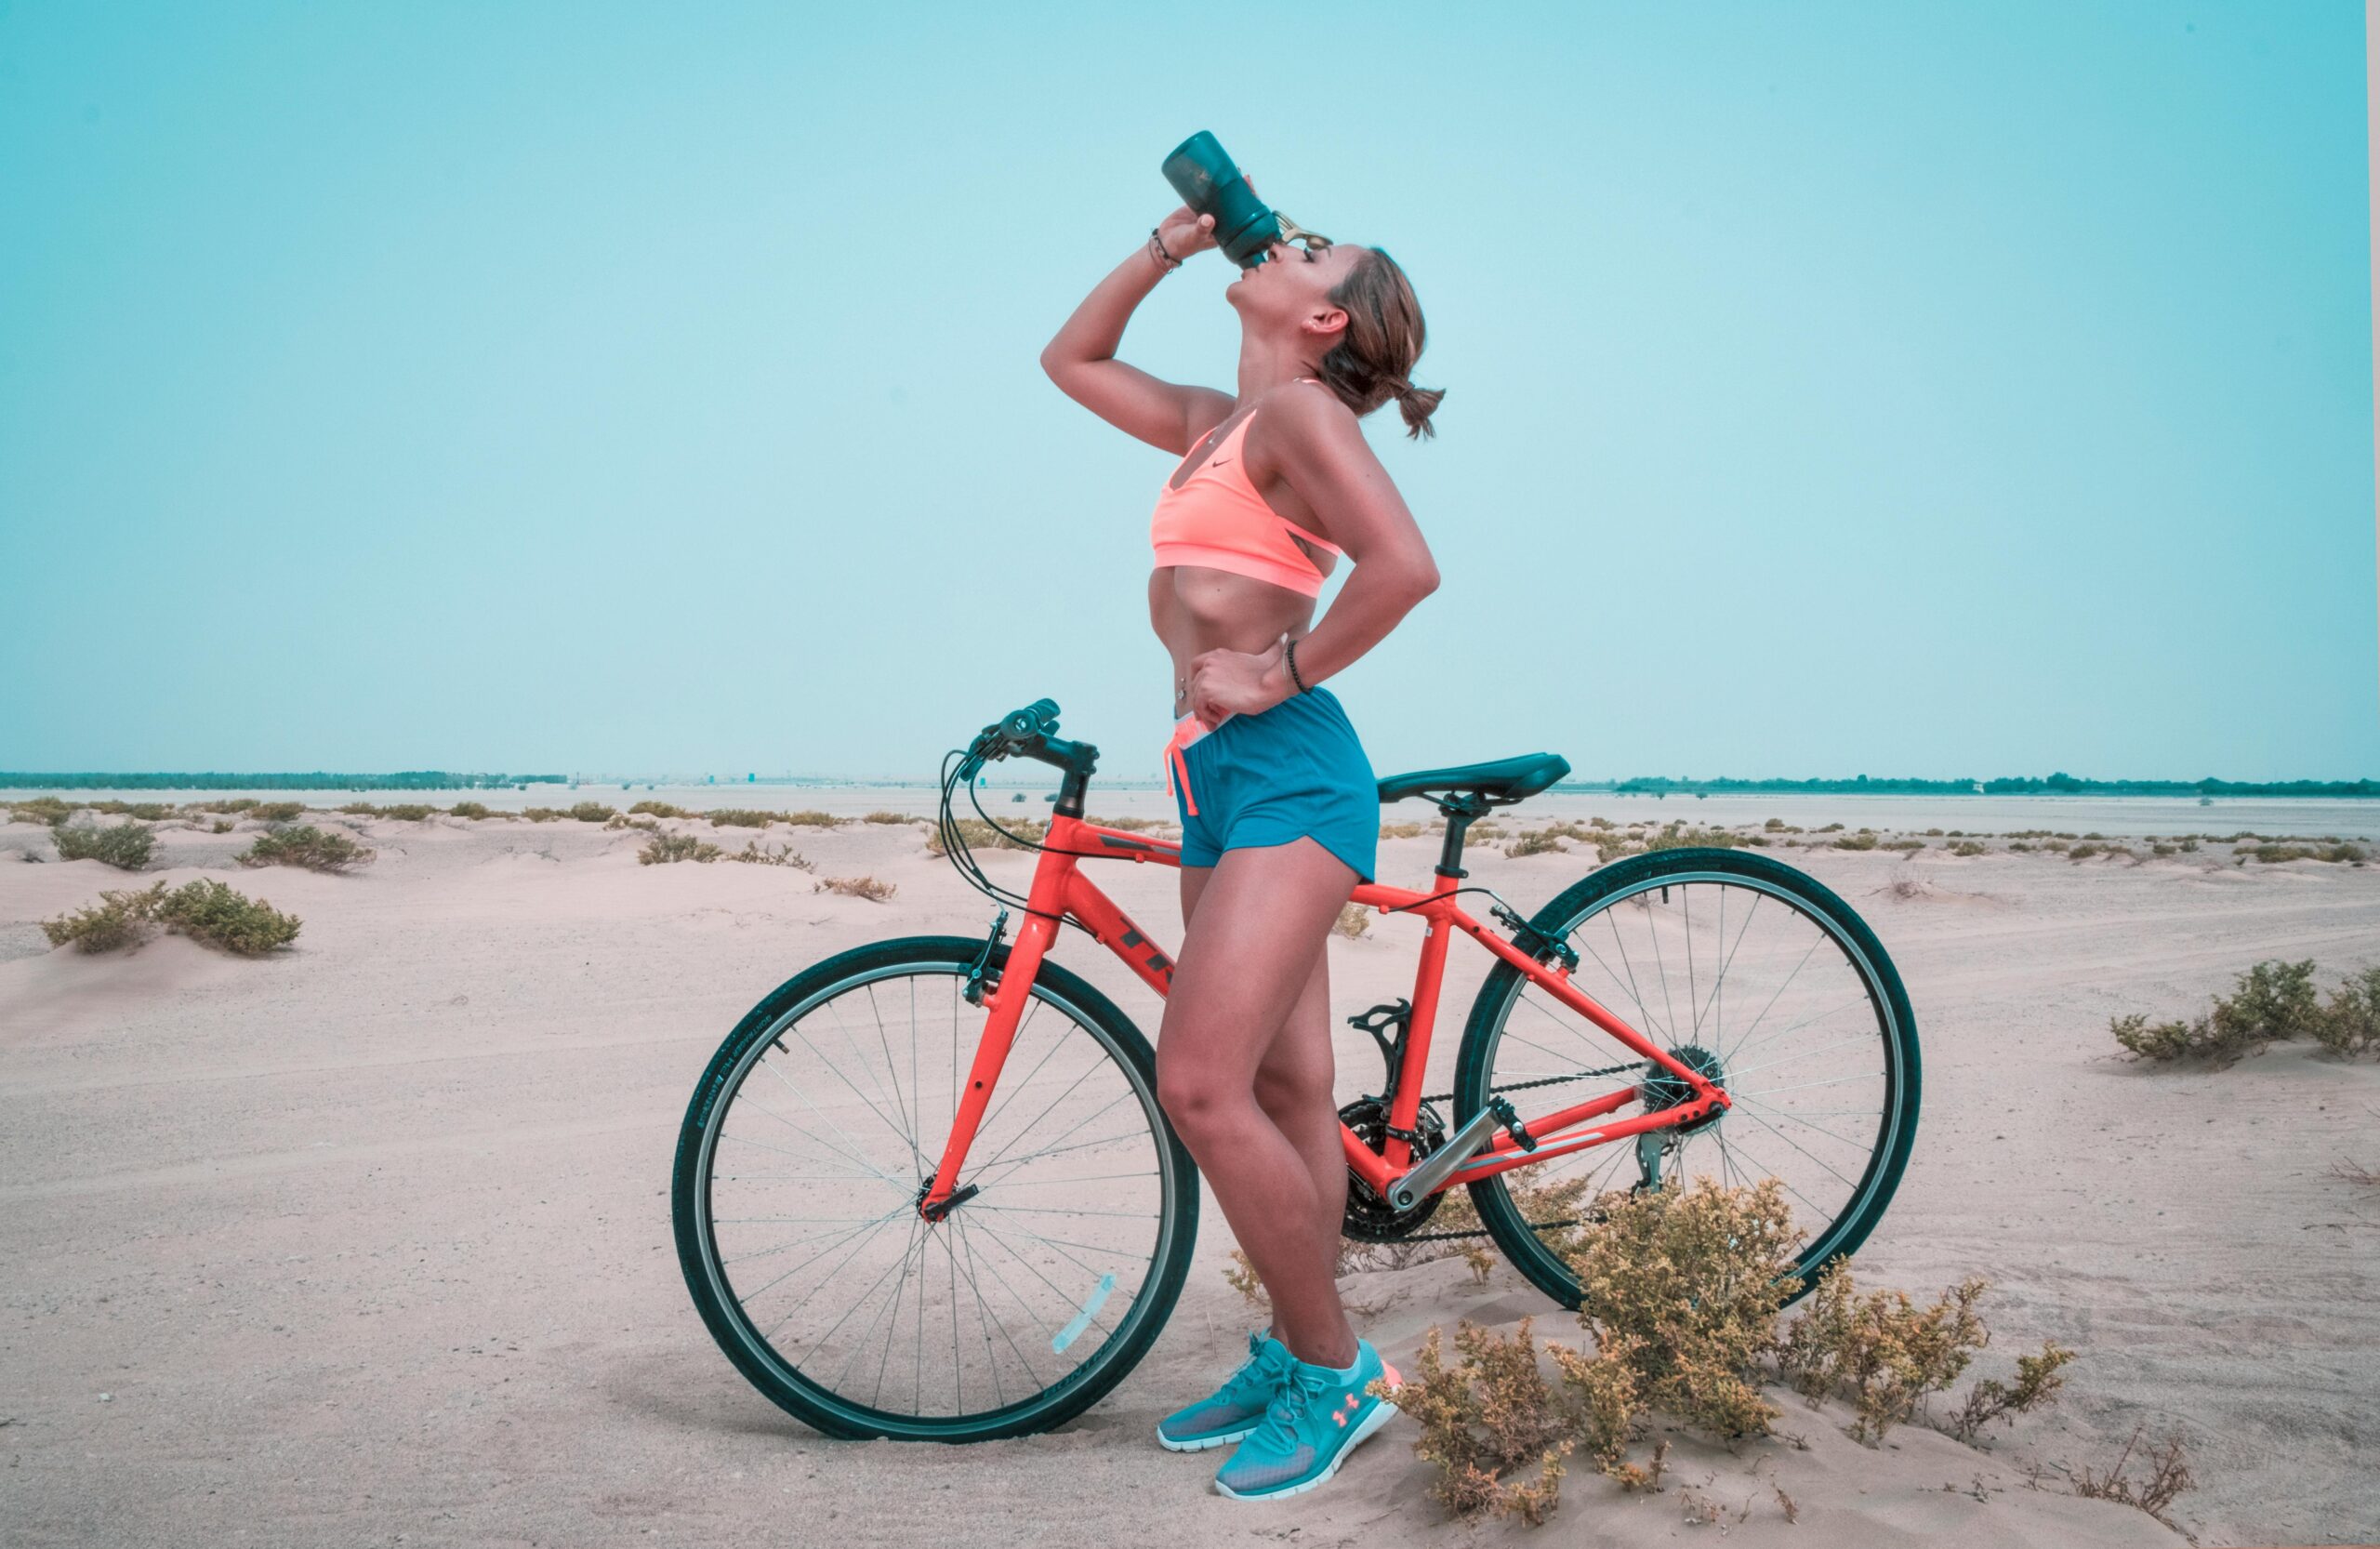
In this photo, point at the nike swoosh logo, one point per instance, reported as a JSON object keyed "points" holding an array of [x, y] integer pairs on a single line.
{"points": [[1217, 462]]}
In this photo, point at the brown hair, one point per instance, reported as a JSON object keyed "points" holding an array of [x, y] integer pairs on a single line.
{"points": [[1384, 334]]}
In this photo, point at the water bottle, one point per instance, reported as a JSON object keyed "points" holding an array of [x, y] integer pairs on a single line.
{"points": [[1208, 182]]}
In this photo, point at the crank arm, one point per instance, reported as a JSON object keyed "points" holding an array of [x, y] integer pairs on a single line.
{"points": [[1404, 1192]]}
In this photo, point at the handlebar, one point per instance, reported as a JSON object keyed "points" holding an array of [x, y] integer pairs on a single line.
{"points": [[1029, 733]]}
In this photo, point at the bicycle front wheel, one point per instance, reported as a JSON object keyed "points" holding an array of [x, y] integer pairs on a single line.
{"points": [[811, 1142], [1744, 968]]}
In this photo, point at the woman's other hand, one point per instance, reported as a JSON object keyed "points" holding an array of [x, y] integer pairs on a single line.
{"points": [[1185, 231], [1224, 684]]}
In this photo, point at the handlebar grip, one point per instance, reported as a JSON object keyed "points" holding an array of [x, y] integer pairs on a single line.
{"points": [[1039, 719]]}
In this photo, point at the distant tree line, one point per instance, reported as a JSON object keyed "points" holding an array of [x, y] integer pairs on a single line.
{"points": [[408, 779], [2013, 785]]}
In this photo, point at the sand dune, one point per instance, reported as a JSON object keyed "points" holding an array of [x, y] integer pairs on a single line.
{"points": [[371, 1238]]}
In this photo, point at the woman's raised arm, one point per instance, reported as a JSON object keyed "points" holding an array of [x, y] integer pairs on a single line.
{"points": [[1081, 359]]}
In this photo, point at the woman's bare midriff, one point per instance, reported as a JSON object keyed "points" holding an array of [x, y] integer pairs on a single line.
{"points": [[1194, 609]]}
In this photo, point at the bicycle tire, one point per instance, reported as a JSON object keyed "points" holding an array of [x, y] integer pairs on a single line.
{"points": [[1637, 875], [761, 1364]]}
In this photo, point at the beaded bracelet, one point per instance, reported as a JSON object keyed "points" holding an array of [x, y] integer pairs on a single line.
{"points": [[1156, 245], [1290, 656]]}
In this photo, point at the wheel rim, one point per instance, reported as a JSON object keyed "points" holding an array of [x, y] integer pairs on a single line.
{"points": [[821, 1144], [1769, 996]]}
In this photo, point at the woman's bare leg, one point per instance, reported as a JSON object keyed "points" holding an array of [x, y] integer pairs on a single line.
{"points": [[1251, 979]]}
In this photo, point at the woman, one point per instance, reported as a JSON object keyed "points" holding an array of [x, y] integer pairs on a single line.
{"points": [[1280, 814]]}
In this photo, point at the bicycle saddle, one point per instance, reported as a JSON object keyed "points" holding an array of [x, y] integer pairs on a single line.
{"points": [[1498, 782]]}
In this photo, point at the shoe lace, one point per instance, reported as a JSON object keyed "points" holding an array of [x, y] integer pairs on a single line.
{"points": [[1299, 1389]]}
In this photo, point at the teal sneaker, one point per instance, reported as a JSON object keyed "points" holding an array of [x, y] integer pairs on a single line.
{"points": [[1233, 1409], [1318, 1417]]}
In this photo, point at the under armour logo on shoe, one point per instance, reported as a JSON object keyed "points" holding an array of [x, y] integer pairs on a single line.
{"points": [[1346, 1411]]}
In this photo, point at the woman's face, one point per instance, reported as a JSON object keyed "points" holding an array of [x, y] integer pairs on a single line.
{"points": [[1293, 288]]}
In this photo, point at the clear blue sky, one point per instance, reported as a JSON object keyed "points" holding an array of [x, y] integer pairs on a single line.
{"points": [[1947, 390]]}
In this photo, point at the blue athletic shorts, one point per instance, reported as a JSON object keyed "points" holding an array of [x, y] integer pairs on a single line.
{"points": [[1265, 779]]}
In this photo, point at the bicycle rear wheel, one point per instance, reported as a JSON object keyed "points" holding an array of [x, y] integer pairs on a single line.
{"points": [[811, 1141], [1744, 968]]}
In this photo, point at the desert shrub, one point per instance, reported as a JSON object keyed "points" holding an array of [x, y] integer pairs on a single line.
{"points": [[543, 814], [1880, 1351], [1127, 824], [742, 817], [237, 804], [1400, 830], [223, 917], [890, 817], [221, 825], [1862, 840], [1903, 844], [308, 847], [148, 812], [473, 810], [205, 911], [1774, 825], [2274, 854], [277, 812], [117, 919], [1831, 829], [659, 809], [980, 835], [2273, 1001], [2350, 1024], [2082, 851], [1486, 829], [1966, 847], [2168, 1476], [816, 819], [124, 846], [1678, 837], [1536, 842], [1352, 921], [2038, 1381], [754, 853], [407, 811], [2019, 847], [662, 849], [587, 811], [871, 888], [2189, 846], [44, 810], [360, 808], [1683, 1285], [1489, 1424], [2158, 847]]}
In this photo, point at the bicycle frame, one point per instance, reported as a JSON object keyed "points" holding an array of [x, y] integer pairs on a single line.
{"points": [[1060, 888]]}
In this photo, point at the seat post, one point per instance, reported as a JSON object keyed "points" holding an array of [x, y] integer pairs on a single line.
{"points": [[1462, 809]]}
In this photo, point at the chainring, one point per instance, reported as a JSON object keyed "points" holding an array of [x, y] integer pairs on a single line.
{"points": [[1369, 1218]]}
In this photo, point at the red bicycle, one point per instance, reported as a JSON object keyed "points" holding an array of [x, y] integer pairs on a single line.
{"points": [[925, 1189]]}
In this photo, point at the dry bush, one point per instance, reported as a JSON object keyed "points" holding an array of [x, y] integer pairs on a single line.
{"points": [[1401, 830], [277, 812], [2274, 1001], [592, 811], [1683, 1285], [904, 817], [815, 819], [2038, 1381], [1880, 1351], [1489, 1424], [543, 814], [980, 835], [1911, 844], [742, 817], [874, 889], [117, 919], [472, 810], [1353, 921], [1125, 825], [1966, 847], [659, 809], [2168, 1476], [2350, 1024], [124, 846], [663, 849], [1537, 841], [44, 810], [308, 847], [204, 911], [754, 853], [221, 825], [1863, 839]]}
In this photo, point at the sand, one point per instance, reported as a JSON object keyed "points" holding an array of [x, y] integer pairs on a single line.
{"points": [[369, 1242]]}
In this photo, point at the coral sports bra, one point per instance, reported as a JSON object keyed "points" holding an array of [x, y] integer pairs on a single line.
{"points": [[1218, 521]]}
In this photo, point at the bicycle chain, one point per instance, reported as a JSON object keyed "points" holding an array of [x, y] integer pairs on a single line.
{"points": [[1522, 1086]]}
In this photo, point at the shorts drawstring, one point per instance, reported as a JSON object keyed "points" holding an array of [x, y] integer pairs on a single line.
{"points": [[1174, 759]]}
